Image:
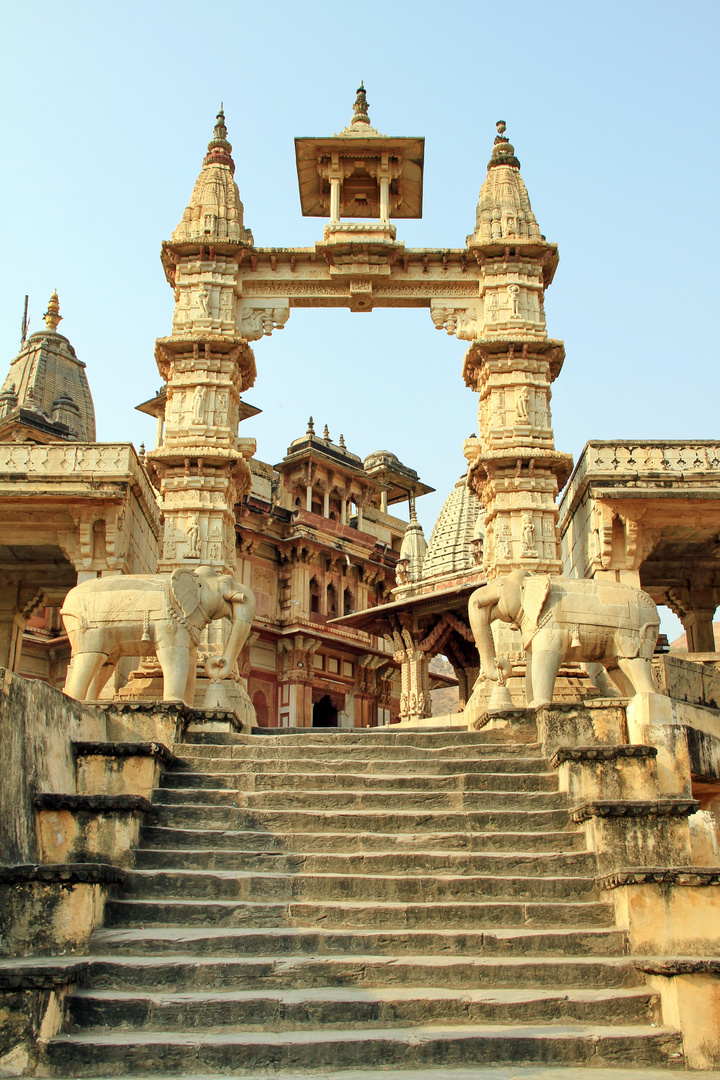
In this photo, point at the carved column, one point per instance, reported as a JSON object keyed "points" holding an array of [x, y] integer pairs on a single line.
{"points": [[415, 703]]}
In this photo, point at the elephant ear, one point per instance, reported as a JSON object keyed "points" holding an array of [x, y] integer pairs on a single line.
{"points": [[535, 588], [185, 590]]}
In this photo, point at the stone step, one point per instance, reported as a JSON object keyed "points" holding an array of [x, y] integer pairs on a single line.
{"points": [[407, 888], [344, 914], [295, 941], [280, 750], [197, 972], [340, 780], [116, 1053], [389, 800], [369, 738], [248, 840], [289, 1010], [421, 766], [502, 864], [199, 814]]}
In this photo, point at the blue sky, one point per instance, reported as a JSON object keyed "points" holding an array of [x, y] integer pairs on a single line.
{"points": [[612, 109]]}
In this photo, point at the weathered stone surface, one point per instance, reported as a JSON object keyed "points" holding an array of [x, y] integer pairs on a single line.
{"points": [[47, 909], [89, 828], [37, 725]]}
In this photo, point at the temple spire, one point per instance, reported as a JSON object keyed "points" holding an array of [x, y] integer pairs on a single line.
{"points": [[52, 316], [219, 148], [360, 113], [503, 151]]}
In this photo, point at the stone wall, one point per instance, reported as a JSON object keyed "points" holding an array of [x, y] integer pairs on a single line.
{"points": [[37, 725]]}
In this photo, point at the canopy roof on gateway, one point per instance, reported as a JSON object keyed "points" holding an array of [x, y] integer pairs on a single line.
{"points": [[359, 159]]}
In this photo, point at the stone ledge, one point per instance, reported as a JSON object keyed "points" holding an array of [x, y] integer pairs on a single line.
{"points": [[679, 965], [611, 808], [601, 753], [127, 804], [124, 749], [62, 874], [659, 875], [42, 974], [157, 705]]}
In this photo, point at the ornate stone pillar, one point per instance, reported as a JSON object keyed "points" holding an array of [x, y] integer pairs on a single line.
{"points": [[514, 467], [415, 703]]}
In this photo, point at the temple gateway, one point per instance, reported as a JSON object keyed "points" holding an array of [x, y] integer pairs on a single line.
{"points": [[289, 789]]}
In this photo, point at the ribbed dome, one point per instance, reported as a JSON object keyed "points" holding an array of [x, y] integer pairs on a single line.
{"points": [[450, 549], [46, 380]]}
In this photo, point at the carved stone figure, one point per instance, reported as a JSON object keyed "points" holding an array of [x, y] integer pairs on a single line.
{"points": [[522, 404], [198, 403], [528, 536], [106, 618], [562, 619], [192, 532]]}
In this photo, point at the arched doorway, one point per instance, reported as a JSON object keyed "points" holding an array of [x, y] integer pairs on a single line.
{"points": [[324, 713]]}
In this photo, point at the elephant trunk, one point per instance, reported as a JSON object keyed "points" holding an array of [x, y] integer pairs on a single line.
{"points": [[243, 605], [485, 644], [481, 615]]}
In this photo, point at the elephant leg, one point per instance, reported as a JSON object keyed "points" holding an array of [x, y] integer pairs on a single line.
{"points": [[82, 671], [621, 681], [96, 686], [173, 660], [528, 678], [639, 672], [192, 674], [545, 667]]}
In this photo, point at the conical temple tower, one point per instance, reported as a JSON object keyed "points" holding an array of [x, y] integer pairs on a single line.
{"points": [[200, 465], [514, 467]]}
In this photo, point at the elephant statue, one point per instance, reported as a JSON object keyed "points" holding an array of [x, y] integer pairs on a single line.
{"points": [[567, 619], [165, 614]]}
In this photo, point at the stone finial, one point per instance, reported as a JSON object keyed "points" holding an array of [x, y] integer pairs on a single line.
{"points": [[326, 433], [52, 316], [219, 149], [360, 113], [341, 443], [141, 452], [310, 427], [503, 150]]}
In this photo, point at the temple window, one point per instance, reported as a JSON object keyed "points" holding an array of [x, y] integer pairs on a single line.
{"points": [[314, 596]]}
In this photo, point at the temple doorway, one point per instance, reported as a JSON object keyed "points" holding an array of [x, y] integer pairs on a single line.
{"points": [[324, 713]]}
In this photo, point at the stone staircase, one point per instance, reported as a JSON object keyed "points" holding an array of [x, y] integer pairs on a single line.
{"points": [[319, 901]]}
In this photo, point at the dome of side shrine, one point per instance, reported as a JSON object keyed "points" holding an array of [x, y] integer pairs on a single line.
{"points": [[459, 523], [45, 395]]}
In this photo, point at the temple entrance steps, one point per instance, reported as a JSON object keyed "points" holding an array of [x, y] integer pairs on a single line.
{"points": [[320, 901]]}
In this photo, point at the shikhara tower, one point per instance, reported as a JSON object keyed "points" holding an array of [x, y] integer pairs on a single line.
{"points": [[514, 467]]}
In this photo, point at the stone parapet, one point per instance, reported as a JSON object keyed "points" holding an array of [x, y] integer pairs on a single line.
{"points": [[51, 909], [89, 828]]}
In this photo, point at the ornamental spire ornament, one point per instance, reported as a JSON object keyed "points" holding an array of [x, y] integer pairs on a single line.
{"points": [[52, 316], [219, 149], [360, 113]]}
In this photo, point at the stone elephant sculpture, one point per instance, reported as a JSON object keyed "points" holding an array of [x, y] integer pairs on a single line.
{"points": [[165, 614], [567, 619]]}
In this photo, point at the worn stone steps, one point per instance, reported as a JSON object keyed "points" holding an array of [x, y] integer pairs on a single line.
{"points": [[194, 972], [341, 780], [247, 840], [343, 913], [323, 901], [367, 765], [308, 1050], [241, 885], [307, 799], [292, 1010], [195, 814], [502, 864], [287, 941]]}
